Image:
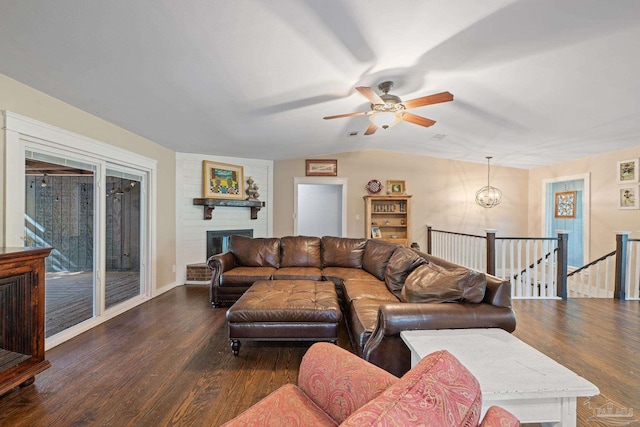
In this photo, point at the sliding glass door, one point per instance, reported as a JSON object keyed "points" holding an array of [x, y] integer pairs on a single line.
{"points": [[60, 213], [123, 237], [97, 260]]}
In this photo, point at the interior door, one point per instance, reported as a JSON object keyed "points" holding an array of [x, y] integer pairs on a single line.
{"points": [[575, 221], [320, 207]]}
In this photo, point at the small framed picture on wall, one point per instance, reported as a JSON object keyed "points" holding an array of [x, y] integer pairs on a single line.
{"points": [[565, 206], [628, 197], [627, 171]]}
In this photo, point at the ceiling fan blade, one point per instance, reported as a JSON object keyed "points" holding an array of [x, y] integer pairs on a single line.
{"points": [[371, 129], [368, 93], [428, 100], [422, 121], [339, 116]]}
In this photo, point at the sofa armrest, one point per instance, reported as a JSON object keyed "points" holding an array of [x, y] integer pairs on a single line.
{"points": [[340, 382], [386, 349], [221, 262], [498, 292]]}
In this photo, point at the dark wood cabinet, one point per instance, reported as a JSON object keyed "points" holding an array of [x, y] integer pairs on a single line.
{"points": [[22, 276]]}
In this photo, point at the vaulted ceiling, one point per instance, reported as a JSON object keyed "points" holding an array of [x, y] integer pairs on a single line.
{"points": [[536, 82]]}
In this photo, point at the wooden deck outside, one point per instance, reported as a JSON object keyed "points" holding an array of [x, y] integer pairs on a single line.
{"points": [[69, 296], [167, 362]]}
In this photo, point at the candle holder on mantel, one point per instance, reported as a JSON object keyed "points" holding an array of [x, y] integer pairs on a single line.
{"points": [[252, 189]]}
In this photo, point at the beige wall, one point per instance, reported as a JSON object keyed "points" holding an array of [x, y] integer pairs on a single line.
{"points": [[606, 218], [21, 99], [443, 192]]}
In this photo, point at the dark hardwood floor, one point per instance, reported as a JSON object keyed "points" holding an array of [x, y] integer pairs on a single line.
{"points": [[167, 362]]}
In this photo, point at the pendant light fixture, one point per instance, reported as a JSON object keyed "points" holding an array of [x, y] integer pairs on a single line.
{"points": [[488, 196]]}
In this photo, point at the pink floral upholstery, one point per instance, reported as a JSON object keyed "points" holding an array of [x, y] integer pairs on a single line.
{"points": [[337, 387], [438, 391], [329, 375], [498, 417]]}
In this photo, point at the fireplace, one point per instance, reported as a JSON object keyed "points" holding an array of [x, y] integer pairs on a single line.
{"points": [[218, 240]]}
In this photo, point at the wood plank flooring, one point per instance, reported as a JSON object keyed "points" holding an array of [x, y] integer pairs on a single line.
{"points": [[167, 363], [69, 296]]}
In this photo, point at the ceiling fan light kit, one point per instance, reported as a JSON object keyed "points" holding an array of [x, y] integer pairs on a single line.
{"points": [[488, 196], [388, 110]]}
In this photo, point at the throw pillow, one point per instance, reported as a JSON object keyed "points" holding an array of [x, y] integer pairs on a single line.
{"points": [[401, 264], [432, 283], [376, 257]]}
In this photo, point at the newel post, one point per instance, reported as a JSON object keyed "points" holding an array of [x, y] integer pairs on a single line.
{"points": [[491, 251], [619, 291], [429, 228], [563, 264]]}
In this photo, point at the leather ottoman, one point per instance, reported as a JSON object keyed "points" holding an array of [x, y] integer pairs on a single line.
{"points": [[285, 310]]}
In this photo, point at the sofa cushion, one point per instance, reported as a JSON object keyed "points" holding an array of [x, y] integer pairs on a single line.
{"points": [[339, 274], [376, 257], [401, 264], [300, 251], [432, 283], [362, 318], [438, 391], [342, 252], [245, 276], [370, 289], [297, 273], [255, 252]]}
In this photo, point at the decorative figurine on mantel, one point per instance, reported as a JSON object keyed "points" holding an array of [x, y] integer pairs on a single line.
{"points": [[252, 189]]}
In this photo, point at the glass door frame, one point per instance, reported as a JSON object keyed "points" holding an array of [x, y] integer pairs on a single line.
{"points": [[23, 133]]}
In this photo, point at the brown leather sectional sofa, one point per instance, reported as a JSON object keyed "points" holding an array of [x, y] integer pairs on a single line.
{"points": [[383, 289]]}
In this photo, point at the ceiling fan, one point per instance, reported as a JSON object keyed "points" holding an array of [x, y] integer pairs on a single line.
{"points": [[388, 110]]}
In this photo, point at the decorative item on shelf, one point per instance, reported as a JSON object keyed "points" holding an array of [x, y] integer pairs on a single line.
{"points": [[488, 196], [223, 181], [375, 233], [387, 222], [396, 187], [402, 222], [252, 189], [374, 186], [321, 167]]}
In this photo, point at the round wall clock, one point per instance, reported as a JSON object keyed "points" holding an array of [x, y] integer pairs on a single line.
{"points": [[374, 186]]}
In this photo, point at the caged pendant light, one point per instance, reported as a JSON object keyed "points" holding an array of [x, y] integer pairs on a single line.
{"points": [[488, 196]]}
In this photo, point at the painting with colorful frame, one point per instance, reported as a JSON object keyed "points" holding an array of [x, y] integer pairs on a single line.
{"points": [[565, 205], [223, 181]]}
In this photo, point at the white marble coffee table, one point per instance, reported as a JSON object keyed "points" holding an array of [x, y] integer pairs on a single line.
{"points": [[512, 374]]}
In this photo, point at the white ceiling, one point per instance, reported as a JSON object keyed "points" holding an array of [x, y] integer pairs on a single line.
{"points": [[535, 82]]}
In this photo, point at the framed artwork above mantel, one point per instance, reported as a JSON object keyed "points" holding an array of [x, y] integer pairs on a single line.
{"points": [[222, 181]]}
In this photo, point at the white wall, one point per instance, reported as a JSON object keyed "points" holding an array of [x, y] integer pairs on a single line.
{"points": [[191, 227]]}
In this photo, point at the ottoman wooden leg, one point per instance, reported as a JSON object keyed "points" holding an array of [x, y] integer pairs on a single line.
{"points": [[235, 346]]}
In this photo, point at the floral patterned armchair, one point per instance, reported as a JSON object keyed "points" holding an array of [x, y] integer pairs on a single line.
{"points": [[336, 387]]}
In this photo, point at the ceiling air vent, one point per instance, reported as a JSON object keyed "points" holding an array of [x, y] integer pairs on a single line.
{"points": [[352, 133], [438, 136]]}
